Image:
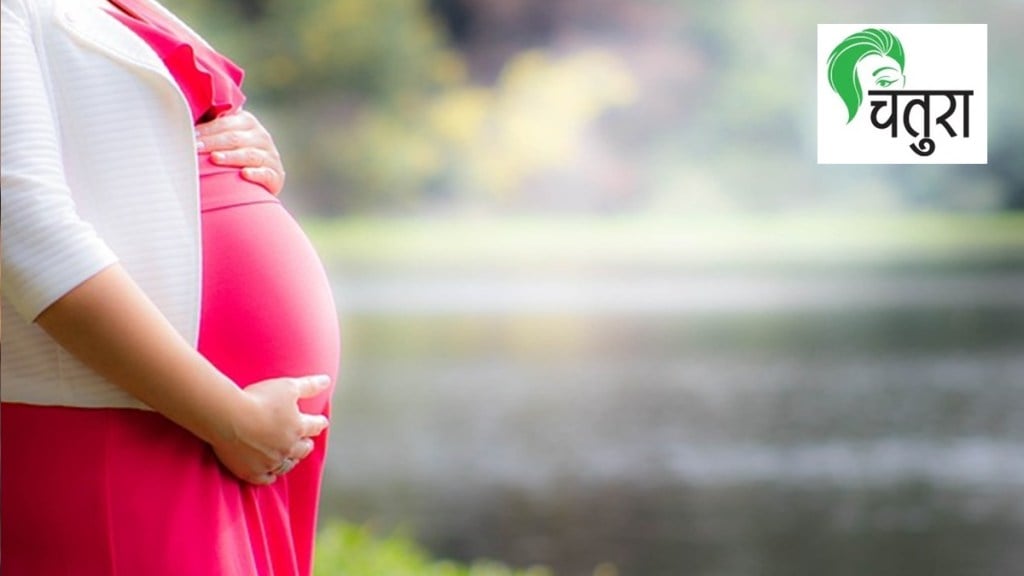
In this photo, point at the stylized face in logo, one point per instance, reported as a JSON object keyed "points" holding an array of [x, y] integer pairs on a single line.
{"points": [[880, 72], [868, 60]]}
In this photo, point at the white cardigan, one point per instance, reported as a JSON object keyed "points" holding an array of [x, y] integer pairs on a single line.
{"points": [[98, 166]]}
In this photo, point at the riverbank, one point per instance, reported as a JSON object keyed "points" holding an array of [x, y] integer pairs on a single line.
{"points": [[685, 397], [656, 241]]}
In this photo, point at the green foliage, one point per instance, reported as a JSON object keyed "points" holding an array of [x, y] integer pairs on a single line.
{"points": [[471, 145], [668, 242], [384, 51], [375, 110], [349, 550]]}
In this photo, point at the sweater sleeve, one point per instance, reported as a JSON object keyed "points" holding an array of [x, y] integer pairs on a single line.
{"points": [[47, 248]]}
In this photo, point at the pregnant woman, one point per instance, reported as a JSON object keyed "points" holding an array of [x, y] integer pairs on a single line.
{"points": [[169, 336]]}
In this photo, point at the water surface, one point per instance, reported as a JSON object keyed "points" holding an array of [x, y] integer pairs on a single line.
{"points": [[689, 422]]}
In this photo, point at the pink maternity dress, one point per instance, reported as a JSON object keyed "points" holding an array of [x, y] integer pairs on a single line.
{"points": [[116, 492]]}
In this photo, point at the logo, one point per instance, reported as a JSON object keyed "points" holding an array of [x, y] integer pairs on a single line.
{"points": [[902, 94]]}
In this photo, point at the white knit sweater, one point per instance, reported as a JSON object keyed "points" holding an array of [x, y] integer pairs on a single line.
{"points": [[98, 166]]}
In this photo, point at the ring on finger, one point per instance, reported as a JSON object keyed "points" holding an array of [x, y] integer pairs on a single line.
{"points": [[284, 467]]}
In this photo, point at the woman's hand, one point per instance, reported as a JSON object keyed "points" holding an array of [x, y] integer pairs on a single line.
{"points": [[240, 140], [270, 434], [108, 323]]}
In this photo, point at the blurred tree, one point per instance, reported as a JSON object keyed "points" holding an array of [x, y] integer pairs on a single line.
{"points": [[375, 109], [331, 78], [457, 16], [380, 50], [427, 104], [251, 9]]}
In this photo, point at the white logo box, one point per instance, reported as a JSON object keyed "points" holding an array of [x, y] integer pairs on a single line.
{"points": [[937, 57]]}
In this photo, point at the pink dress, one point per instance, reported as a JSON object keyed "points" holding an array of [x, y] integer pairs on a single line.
{"points": [[115, 492]]}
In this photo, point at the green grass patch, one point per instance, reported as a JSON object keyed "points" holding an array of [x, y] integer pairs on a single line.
{"points": [[660, 241], [349, 550]]}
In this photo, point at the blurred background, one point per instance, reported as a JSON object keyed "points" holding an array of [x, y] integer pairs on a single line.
{"points": [[602, 310]]}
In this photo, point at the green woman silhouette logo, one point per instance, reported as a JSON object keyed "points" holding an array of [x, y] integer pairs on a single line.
{"points": [[870, 58]]}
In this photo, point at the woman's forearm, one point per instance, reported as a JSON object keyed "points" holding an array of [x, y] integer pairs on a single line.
{"points": [[109, 324]]}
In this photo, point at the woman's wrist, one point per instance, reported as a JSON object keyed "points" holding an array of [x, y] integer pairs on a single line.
{"points": [[217, 416], [109, 324]]}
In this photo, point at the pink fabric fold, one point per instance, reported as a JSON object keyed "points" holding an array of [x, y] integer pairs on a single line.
{"points": [[211, 82]]}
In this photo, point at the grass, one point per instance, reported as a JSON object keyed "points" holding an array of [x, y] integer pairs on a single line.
{"points": [[349, 550], [660, 241]]}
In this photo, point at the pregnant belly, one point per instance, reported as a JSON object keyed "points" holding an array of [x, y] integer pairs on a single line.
{"points": [[267, 309]]}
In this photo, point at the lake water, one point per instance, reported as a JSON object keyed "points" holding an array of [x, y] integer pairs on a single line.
{"points": [[759, 422]]}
